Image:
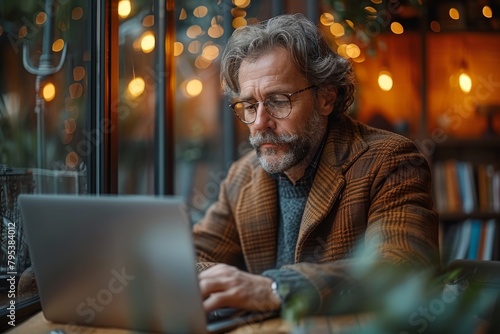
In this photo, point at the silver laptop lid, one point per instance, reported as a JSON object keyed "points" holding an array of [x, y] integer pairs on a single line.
{"points": [[114, 261]]}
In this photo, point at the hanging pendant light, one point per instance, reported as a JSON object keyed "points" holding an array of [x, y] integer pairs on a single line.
{"points": [[464, 79], [465, 82], [385, 80]]}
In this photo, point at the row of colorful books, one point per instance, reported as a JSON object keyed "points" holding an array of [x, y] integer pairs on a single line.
{"points": [[464, 187], [471, 239]]}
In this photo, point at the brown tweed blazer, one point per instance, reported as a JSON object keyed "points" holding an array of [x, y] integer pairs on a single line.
{"points": [[372, 189]]}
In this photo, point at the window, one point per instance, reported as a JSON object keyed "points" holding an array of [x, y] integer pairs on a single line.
{"points": [[104, 97], [45, 61]]}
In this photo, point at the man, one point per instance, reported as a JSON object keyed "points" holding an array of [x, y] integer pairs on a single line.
{"points": [[318, 184]]}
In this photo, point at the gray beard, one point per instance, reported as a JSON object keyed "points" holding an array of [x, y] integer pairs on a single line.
{"points": [[300, 145]]}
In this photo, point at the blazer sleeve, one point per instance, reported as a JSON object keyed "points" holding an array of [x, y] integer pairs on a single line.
{"points": [[216, 237]]}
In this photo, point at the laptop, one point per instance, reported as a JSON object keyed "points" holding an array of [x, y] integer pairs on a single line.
{"points": [[119, 261]]}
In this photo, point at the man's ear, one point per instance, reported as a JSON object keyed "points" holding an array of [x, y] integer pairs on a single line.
{"points": [[326, 99]]}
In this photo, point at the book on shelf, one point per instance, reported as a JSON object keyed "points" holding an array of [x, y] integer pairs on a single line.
{"points": [[496, 191], [474, 240], [482, 240], [453, 199], [461, 237], [471, 239], [464, 187], [491, 237], [439, 187]]}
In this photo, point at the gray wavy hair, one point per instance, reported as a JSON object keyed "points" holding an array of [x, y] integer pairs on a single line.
{"points": [[305, 43]]}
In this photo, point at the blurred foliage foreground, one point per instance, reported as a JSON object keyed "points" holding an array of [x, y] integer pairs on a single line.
{"points": [[462, 298]]}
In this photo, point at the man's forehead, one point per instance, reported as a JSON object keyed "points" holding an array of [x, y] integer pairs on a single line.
{"points": [[271, 72]]}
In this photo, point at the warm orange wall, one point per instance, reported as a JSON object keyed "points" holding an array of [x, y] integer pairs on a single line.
{"points": [[399, 54], [448, 108]]}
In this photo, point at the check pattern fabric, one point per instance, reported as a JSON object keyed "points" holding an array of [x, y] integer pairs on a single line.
{"points": [[372, 190]]}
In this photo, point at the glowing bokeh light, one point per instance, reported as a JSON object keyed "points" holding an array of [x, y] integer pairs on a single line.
{"points": [[78, 73], [194, 87], [371, 11], [326, 19], [72, 160], [49, 91], [361, 58], [465, 82], [148, 42], [182, 15], [136, 87], [194, 47], [41, 18], [178, 48], [239, 22], [148, 21], [241, 3], [200, 11], [352, 50], [75, 90], [124, 8], [454, 13], [69, 126], [77, 13], [397, 28], [487, 12], [58, 45], [202, 63], [385, 81], [337, 30], [210, 52], [194, 31], [341, 50], [435, 26], [215, 31], [23, 32]]}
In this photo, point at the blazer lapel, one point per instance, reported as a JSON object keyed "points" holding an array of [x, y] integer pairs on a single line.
{"points": [[343, 146], [327, 186], [257, 219]]}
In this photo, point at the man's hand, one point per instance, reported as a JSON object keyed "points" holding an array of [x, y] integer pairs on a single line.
{"points": [[226, 286]]}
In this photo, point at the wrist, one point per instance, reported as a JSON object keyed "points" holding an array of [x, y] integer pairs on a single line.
{"points": [[275, 294]]}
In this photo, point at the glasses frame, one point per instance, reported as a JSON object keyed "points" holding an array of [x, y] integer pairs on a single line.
{"points": [[287, 95]]}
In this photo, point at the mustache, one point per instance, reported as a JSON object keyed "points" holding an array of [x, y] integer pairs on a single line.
{"points": [[272, 138]]}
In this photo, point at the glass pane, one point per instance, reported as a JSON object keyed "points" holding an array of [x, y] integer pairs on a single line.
{"points": [[136, 105], [202, 29], [44, 75]]}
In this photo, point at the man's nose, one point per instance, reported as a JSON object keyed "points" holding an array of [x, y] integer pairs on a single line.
{"points": [[263, 119]]}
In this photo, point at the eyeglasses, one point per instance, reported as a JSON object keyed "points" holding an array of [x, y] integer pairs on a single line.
{"points": [[276, 105]]}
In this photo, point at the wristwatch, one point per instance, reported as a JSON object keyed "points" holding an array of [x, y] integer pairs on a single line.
{"points": [[274, 289]]}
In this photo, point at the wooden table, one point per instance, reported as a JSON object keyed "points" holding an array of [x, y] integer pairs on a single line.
{"points": [[338, 324]]}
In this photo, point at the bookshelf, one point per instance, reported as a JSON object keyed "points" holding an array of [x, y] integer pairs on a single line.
{"points": [[466, 176]]}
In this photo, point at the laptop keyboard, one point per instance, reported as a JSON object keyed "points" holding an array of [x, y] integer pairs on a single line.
{"points": [[224, 313]]}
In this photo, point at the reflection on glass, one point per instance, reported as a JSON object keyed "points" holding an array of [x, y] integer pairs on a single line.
{"points": [[44, 47], [136, 98]]}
